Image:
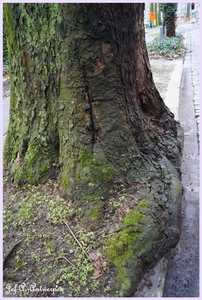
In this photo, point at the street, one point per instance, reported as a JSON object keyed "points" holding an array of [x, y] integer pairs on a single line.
{"points": [[152, 33], [183, 268]]}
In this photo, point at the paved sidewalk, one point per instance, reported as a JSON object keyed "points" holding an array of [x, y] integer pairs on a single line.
{"points": [[167, 77], [173, 91]]}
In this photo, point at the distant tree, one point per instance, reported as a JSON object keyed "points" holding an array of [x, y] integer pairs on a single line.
{"points": [[169, 16], [188, 10]]}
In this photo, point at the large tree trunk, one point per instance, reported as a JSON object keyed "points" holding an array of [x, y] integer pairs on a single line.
{"points": [[170, 26], [84, 105], [82, 94]]}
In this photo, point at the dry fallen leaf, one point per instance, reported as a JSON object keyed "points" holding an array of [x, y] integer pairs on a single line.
{"points": [[98, 260]]}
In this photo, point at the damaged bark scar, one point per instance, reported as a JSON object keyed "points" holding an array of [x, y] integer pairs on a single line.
{"points": [[92, 126], [98, 67]]}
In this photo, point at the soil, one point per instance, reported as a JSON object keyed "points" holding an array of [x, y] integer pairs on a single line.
{"points": [[48, 252], [57, 251]]}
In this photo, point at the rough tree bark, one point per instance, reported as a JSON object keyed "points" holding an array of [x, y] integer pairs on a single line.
{"points": [[84, 109]]}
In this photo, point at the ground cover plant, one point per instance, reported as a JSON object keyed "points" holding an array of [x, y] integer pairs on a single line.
{"points": [[49, 252], [170, 47]]}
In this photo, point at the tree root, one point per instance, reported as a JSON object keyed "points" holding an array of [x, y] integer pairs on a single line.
{"points": [[9, 251]]}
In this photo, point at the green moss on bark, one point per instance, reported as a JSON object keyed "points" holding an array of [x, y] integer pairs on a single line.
{"points": [[122, 246], [88, 174], [34, 66], [33, 167]]}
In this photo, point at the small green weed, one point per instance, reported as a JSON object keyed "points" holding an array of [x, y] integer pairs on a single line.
{"points": [[26, 211], [19, 262], [58, 210]]}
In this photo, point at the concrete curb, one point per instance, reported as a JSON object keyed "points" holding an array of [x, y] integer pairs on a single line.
{"points": [[173, 92], [153, 282], [195, 58]]}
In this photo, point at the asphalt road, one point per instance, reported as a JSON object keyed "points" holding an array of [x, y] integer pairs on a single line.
{"points": [[186, 27], [182, 28], [183, 268]]}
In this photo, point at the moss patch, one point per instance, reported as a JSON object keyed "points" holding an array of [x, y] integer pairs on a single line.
{"points": [[33, 167], [96, 213], [86, 177], [120, 247]]}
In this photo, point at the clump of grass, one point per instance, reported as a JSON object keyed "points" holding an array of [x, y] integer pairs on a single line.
{"points": [[170, 47]]}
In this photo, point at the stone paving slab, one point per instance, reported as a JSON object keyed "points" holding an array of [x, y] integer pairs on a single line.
{"points": [[172, 95]]}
